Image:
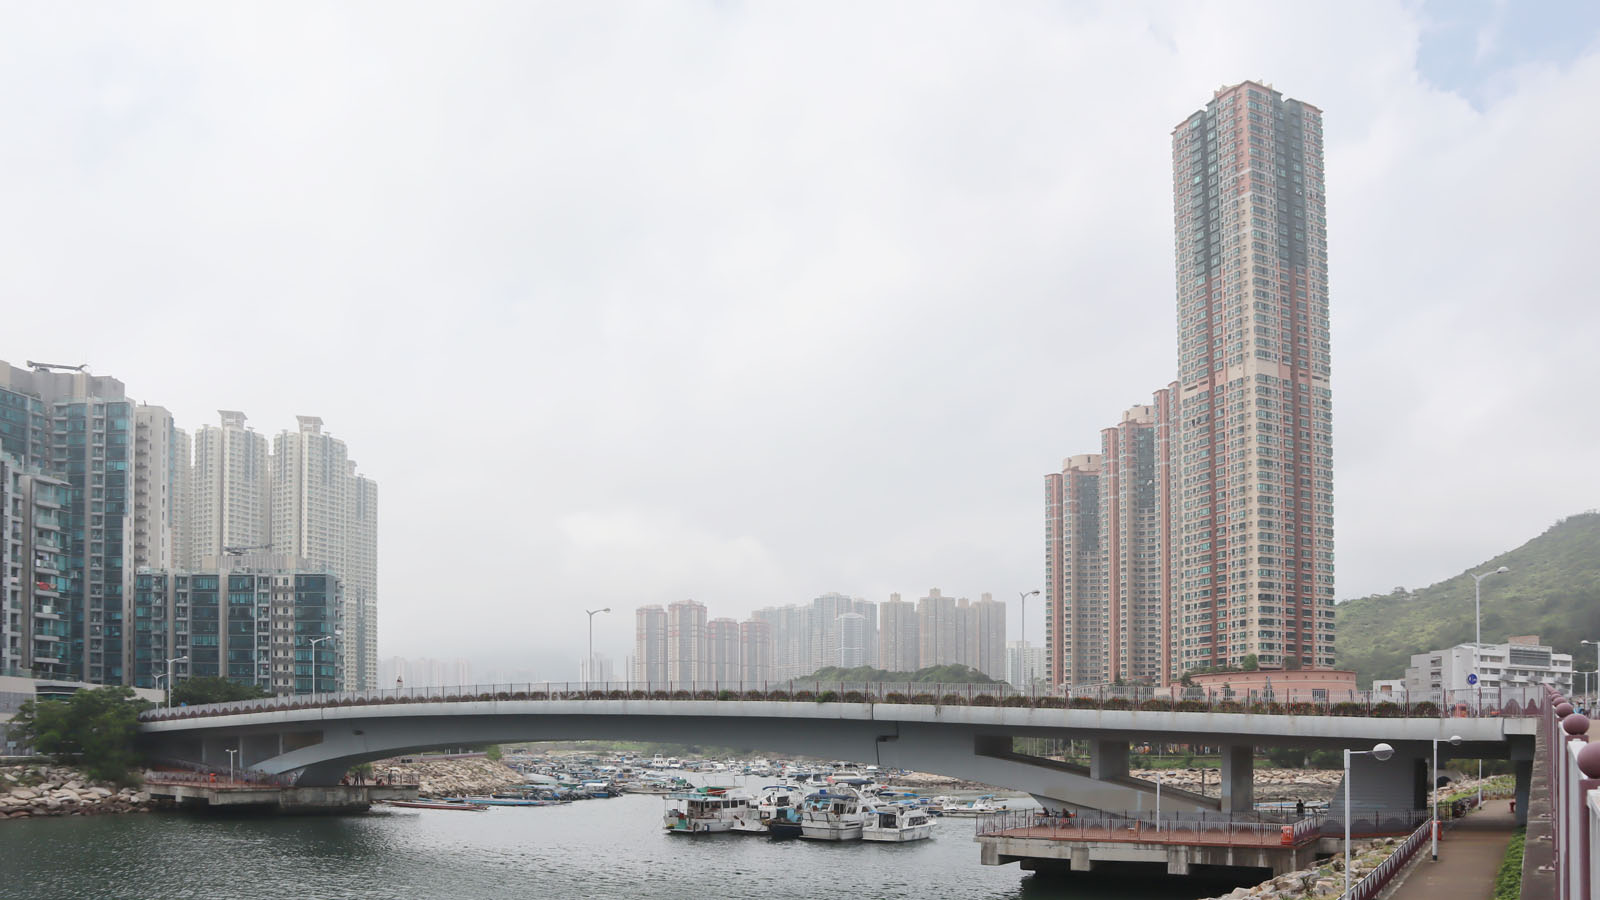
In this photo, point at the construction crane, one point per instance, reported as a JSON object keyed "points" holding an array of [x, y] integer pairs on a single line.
{"points": [[46, 367], [240, 551]]}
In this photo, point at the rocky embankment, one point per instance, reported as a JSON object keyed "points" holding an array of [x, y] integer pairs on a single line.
{"points": [[1271, 785], [1326, 880], [40, 790], [449, 777]]}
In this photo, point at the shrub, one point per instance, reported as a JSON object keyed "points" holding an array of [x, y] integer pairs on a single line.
{"points": [[985, 700], [597, 695], [953, 700], [754, 695], [539, 695], [1430, 709], [777, 695], [727, 695], [1083, 703], [638, 695], [804, 696], [855, 697], [485, 696], [453, 698], [519, 695], [1387, 710], [1118, 703], [705, 695], [660, 695], [828, 697], [1230, 706], [682, 695], [924, 699], [1014, 700], [1192, 706], [1303, 708], [1052, 703], [1156, 704], [502, 695], [617, 695], [896, 697], [1266, 709], [1348, 708]]}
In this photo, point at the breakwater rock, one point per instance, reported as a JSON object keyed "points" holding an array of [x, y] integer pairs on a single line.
{"points": [[42, 790], [449, 777], [1324, 881]]}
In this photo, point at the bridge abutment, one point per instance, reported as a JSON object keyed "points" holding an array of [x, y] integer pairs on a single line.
{"points": [[1238, 778]]}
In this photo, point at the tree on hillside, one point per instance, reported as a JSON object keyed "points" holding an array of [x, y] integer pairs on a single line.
{"points": [[93, 729], [212, 689]]}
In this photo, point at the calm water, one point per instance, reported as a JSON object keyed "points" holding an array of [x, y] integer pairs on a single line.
{"points": [[592, 849]]}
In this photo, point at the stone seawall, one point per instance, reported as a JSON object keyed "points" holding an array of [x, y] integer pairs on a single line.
{"points": [[449, 777], [45, 790]]}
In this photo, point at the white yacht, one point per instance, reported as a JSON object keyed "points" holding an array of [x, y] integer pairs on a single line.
{"points": [[777, 812], [707, 810], [832, 815], [896, 822], [985, 804]]}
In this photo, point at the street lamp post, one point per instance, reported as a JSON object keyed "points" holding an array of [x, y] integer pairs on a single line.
{"points": [[1455, 740], [175, 659], [231, 752], [1477, 641], [1592, 701], [1022, 650], [589, 675], [314, 642], [1379, 752]]}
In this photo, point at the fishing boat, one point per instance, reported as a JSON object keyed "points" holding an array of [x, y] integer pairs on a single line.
{"points": [[777, 810], [985, 804], [707, 810], [832, 815], [498, 801], [439, 804], [896, 822]]}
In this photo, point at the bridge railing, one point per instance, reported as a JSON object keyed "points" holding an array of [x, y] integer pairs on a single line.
{"points": [[1375, 881], [1508, 701], [1220, 829]]}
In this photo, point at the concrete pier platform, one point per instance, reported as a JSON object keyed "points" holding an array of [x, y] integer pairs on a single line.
{"points": [[268, 798]]}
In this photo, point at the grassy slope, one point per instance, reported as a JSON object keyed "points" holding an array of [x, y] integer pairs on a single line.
{"points": [[1552, 590]]}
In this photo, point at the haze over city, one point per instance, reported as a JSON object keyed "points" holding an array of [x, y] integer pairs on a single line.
{"points": [[748, 304]]}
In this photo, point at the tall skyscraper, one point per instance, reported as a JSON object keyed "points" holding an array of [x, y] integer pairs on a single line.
{"points": [[755, 651], [988, 644], [34, 625], [687, 660], [791, 639], [156, 475], [1255, 529], [323, 511], [938, 631], [1075, 618], [650, 645], [898, 636], [1132, 549], [722, 651], [229, 496]]}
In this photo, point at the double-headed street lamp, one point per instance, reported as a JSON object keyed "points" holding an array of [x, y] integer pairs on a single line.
{"points": [[1379, 752], [313, 643], [1455, 740], [1477, 641], [1022, 650], [175, 659], [589, 675]]}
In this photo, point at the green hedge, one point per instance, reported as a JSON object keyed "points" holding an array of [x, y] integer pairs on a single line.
{"points": [[1508, 881]]}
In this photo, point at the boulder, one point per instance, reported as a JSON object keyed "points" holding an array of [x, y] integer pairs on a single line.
{"points": [[23, 793]]}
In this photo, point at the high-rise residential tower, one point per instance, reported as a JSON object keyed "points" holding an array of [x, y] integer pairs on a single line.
{"points": [[229, 496], [722, 651], [1075, 618], [687, 660], [650, 645], [755, 651], [898, 636], [1255, 530]]}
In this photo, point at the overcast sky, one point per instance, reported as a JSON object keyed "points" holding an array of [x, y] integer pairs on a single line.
{"points": [[747, 302]]}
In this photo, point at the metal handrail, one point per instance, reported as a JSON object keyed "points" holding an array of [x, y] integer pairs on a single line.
{"points": [[1497, 702], [1375, 881]]}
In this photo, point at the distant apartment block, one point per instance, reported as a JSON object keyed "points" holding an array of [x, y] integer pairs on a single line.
{"points": [[899, 636], [650, 645]]}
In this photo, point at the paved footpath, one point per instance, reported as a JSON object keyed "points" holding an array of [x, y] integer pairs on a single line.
{"points": [[1469, 856]]}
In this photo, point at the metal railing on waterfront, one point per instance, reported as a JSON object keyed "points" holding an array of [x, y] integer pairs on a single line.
{"points": [[1375, 881], [1192, 828], [1476, 702]]}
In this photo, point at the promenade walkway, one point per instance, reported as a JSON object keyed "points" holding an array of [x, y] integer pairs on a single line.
{"points": [[1469, 857]]}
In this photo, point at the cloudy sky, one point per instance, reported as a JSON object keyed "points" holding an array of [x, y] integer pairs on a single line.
{"points": [[746, 302]]}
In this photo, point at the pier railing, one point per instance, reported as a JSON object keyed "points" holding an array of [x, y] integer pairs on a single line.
{"points": [[1375, 881], [1190, 828], [1476, 702]]}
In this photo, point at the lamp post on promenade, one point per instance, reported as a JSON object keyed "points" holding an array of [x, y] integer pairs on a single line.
{"points": [[1477, 640], [231, 752], [589, 674], [1022, 650], [1455, 740], [1379, 752], [314, 642], [175, 659]]}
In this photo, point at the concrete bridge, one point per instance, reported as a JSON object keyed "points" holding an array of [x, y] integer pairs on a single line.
{"points": [[316, 740]]}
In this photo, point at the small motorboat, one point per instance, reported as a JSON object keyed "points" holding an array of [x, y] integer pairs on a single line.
{"points": [[439, 804]]}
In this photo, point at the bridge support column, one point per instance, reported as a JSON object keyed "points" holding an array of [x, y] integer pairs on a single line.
{"points": [[1108, 759], [1238, 778]]}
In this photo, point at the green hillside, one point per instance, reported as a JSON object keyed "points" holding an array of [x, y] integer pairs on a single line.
{"points": [[1552, 590]]}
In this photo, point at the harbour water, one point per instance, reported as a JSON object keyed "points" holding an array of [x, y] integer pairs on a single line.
{"points": [[595, 849]]}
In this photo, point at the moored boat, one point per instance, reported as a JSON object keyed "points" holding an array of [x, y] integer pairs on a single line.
{"points": [[777, 812], [832, 815], [896, 822], [707, 810], [438, 804]]}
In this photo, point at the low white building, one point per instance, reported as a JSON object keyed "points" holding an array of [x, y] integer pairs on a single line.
{"points": [[1521, 661]]}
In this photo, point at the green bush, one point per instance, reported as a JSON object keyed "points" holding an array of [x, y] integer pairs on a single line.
{"points": [[1052, 703], [924, 699], [804, 696], [705, 695], [1083, 703], [777, 695], [1427, 709], [854, 697], [727, 695], [953, 700], [682, 695], [896, 697], [93, 729], [1014, 700], [1156, 704], [1348, 708], [1117, 703], [1230, 706], [1508, 881], [1193, 706], [1388, 710], [985, 700], [828, 697], [754, 695]]}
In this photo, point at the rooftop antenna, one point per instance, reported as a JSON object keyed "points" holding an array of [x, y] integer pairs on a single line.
{"points": [[46, 367]]}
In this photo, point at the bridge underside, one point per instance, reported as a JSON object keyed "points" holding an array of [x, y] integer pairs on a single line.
{"points": [[320, 745]]}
